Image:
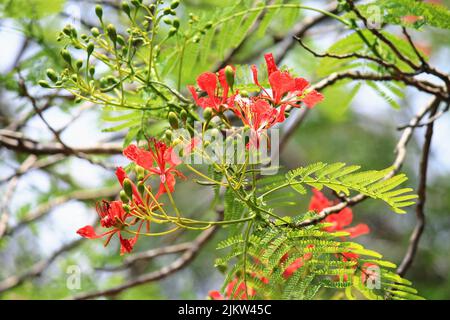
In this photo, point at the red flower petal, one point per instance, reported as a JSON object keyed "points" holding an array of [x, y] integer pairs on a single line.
{"points": [[88, 232], [215, 295], [271, 65], [312, 98], [208, 82], [139, 156], [281, 83], [126, 245], [301, 84], [255, 75], [358, 230]]}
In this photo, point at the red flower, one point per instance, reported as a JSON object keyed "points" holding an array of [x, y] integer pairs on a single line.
{"points": [[259, 115], [339, 220], [164, 158], [285, 89], [208, 82], [112, 215]]}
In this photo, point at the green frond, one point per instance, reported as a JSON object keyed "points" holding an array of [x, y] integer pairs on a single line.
{"points": [[339, 178]]}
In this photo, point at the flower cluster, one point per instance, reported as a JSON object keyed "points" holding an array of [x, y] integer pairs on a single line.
{"points": [[137, 201], [340, 221], [259, 112]]}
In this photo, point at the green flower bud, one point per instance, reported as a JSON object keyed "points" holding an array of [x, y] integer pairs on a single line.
{"points": [[183, 115], [66, 56], [120, 40], [208, 25], [167, 11], [141, 187], [173, 120], [90, 48], [126, 8], [95, 32], [126, 208], [229, 76], [207, 114], [168, 134], [79, 64], [174, 4], [140, 172], [99, 12], [51, 74], [92, 70], [68, 30], [44, 84], [112, 33], [128, 188], [123, 196], [84, 37], [176, 22], [172, 31], [167, 21], [136, 3]]}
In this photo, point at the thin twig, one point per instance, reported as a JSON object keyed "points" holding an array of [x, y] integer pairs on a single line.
{"points": [[422, 192]]}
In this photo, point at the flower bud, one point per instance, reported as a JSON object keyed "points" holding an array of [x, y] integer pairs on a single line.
{"points": [[141, 187], [172, 31], [167, 21], [90, 48], [176, 23], [173, 120], [136, 3], [66, 56], [208, 25], [168, 134], [95, 32], [92, 70], [44, 84], [123, 196], [68, 30], [183, 115], [126, 8], [229, 76], [140, 172], [79, 64], [127, 187], [174, 4], [167, 11], [51, 74], [126, 208], [207, 114], [112, 33], [99, 12]]}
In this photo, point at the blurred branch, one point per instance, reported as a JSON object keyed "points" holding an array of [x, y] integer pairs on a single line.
{"points": [[16, 141], [38, 268], [11, 187], [80, 195], [164, 272], [422, 192]]}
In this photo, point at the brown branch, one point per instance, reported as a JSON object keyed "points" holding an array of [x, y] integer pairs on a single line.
{"points": [[80, 195], [37, 269], [164, 272], [18, 142], [4, 214], [422, 192]]}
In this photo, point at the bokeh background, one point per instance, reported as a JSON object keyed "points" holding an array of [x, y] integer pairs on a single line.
{"points": [[356, 130]]}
